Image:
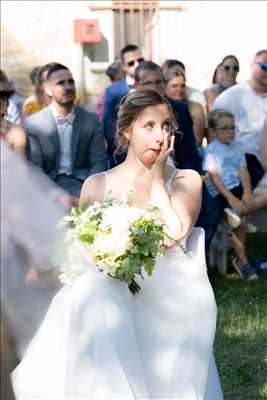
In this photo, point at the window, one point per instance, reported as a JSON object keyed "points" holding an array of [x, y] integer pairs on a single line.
{"points": [[133, 25], [134, 22]]}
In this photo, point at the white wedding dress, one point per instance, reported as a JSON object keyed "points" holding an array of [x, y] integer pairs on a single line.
{"points": [[98, 341]]}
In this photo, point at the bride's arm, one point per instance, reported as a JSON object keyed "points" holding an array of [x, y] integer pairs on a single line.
{"points": [[93, 190], [181, 207]]}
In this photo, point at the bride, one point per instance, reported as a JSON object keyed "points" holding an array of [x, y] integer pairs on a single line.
{"points": [[98, 341]]}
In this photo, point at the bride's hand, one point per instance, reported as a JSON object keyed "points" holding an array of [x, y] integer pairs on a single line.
{"points": [[157, 169]]}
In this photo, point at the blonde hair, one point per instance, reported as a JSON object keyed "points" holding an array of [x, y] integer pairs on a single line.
{"points": [[173, 72]]}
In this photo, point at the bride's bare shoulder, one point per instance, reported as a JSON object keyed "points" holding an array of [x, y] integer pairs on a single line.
{"points": [[188, 178], [93, 189]]}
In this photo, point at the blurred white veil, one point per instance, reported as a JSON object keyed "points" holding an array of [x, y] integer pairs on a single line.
{"points": [[29, 234]]}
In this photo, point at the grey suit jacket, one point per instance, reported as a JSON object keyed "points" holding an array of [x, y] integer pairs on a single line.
{"points": [[88, 150]]}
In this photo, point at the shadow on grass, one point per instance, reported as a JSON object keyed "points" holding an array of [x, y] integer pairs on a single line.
{"points": [[240, 343]]}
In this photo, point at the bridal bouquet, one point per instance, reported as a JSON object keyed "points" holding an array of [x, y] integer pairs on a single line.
{"points": [[119, 240]]}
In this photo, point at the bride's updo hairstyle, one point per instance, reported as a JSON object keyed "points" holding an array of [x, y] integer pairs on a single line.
{"points": [[131, 107]]}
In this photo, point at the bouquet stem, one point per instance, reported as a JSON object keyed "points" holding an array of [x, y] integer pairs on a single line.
{"points": [[134, 287]]}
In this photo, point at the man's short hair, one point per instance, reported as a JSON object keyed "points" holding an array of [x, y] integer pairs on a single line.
{"points": [[146, 66], [45, 68], [54, 67], [127, 49], [113, 70], [261, 53]]}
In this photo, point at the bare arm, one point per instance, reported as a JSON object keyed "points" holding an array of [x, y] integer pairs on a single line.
{"points": [[231, 199], [246, 184], [198, 117], [16, 138], [93, 190], [211, 94], [181, 207]]}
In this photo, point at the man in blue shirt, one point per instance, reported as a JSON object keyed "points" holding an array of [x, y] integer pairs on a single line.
{"points": [[130, 56]]}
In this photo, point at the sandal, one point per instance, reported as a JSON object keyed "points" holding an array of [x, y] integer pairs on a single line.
{"points": [[245, 271]]}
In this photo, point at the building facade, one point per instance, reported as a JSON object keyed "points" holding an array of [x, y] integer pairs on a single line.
{"points": [[87, 36]]}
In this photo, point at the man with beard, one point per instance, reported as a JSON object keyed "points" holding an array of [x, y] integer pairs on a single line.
{"points": [[65, 141]]}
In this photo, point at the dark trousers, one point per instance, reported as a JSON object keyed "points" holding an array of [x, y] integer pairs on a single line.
{"points": [[70, 184], [255, 169], [223, 203], [209, 216], [211, 211]]}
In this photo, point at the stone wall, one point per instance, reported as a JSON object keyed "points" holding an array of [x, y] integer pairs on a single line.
{"points": [[36, 32]]}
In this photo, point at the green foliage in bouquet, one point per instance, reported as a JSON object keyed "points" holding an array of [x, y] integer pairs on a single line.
{"points": [[122, 241]]}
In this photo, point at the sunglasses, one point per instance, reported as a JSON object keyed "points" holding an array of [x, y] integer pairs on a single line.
{"points": [[131, 63], [263, 66], [228, 67]]}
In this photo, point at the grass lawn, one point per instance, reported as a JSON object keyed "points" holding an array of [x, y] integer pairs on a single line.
{"points": [[241, 337]]}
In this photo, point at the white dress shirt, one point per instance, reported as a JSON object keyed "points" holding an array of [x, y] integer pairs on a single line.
{"points": [[64, 127]]}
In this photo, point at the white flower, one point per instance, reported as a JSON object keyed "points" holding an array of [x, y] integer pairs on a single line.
{"points": [[110, 227], [120, 217], [114, 243]]}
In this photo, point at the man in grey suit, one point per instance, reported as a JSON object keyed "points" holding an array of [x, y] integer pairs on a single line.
{"points": [[65, 140]]}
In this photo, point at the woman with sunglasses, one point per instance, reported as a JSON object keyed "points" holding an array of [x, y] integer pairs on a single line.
{"points": [[230, 69]]}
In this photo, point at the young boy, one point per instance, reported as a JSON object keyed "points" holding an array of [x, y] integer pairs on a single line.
{"points": [[229, 182]]}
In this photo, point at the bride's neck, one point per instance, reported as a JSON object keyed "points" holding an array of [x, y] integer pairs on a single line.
{"points": [[137, 169], [135, 166]]}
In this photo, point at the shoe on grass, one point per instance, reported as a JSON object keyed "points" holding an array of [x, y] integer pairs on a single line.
{"points": [[251, 228], [232, 217], [246, 271]]}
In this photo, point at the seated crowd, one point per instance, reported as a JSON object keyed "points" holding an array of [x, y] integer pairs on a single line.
{"points": [[222, 133]]}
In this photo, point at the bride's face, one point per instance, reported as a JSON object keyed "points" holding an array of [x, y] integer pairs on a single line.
{"points": [[146, 134]]}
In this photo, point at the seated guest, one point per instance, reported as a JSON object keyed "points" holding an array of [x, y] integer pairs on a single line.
{"points": [[229, 183], [217, 76], [65, 140], [13, 113], [39, 99], [13, 134], [230, 69], [115, 73], [192, 94], [130, 57], [175, 88], [248, 102], [260, 193]]}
